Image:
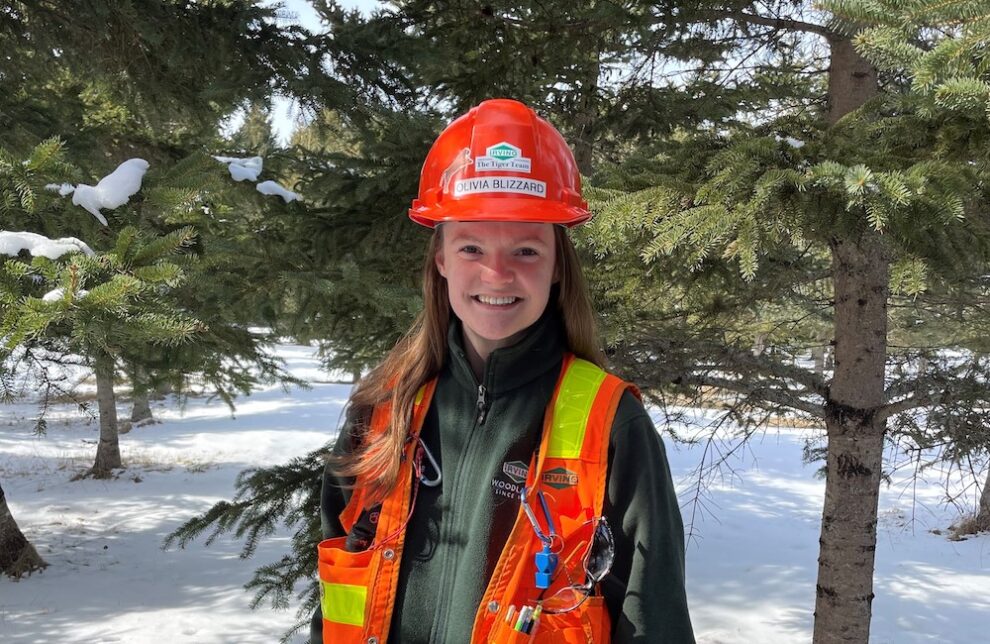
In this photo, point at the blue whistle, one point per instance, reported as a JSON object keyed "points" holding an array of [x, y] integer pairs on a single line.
{"points": [[546, 566]]}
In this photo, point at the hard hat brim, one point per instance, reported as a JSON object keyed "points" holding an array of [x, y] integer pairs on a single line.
{"points": [[496, 209]]}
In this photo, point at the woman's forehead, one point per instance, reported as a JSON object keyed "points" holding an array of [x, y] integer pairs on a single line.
{"points": [[513, 231]]}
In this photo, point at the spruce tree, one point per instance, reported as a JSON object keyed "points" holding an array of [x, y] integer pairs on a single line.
{"points": [[865, 188], [101, 305], [117, 79], [941, 47], [161, 99]]}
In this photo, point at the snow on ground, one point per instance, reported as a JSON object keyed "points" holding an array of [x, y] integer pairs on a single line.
{"points": [[752, 554]]}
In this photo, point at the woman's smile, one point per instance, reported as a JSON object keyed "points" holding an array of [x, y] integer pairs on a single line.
{"points": [[496, 301]]}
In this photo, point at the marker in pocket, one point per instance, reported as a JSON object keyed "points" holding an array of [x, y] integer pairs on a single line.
{"points": [[524, 614], [534, 622], [509, 613]]}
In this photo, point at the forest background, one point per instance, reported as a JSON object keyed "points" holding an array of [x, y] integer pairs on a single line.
{"points": [[790, 197]]}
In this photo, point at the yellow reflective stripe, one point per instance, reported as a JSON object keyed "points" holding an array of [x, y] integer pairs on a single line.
{"points": [[570, 414], [343, 603], [419, 395]]}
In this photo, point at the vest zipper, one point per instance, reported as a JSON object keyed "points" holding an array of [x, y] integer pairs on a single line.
{"points": [[482, 405]]}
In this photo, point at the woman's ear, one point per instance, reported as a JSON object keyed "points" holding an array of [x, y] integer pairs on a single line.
{"points": [[438, 259]]}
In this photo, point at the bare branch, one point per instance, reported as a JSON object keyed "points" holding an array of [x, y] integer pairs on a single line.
{"points": [[907, 404], [811, 382], [778, 396], [778, 23]]}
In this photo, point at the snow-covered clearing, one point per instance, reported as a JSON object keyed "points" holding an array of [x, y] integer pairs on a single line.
{"points": [[751, 560]]}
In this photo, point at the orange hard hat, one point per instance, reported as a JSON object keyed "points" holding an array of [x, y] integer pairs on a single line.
{"points": [[500, 162]]}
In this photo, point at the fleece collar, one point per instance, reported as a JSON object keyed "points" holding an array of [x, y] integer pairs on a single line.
{"points": [[539, 350]]}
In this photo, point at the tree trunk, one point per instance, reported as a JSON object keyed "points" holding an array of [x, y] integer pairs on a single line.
{"points": [[819, 354], [586, 118], [982, 520], [108, 451], [759, 344], [852, 80], [163, 389], [855, 442], [141, 409], [861, 272], [17, 556], [922, 364]]}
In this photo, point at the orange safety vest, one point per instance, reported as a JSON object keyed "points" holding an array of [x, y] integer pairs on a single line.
{"points": [[358, 589]]}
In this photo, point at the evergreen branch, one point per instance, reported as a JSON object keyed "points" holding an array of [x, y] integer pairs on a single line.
{"points": [[168, 330], [165, 245], [266, 497], [263, 498], [113, 296]]}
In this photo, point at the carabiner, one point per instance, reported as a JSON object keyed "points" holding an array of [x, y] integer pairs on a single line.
{"points": [[436, 468]]}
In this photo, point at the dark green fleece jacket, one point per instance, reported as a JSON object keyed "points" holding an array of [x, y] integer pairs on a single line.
{"points": [[457, 530]]}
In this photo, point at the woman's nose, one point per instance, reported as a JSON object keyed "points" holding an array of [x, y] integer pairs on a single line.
{"points": [[497, 271]]}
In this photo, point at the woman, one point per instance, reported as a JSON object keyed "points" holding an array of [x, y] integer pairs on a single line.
{"points": [[492, 482]]}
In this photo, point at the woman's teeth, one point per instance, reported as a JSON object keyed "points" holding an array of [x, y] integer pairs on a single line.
{"points": [[496, 301]]}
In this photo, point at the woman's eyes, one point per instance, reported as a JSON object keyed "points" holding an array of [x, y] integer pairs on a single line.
{"points": [[525, 252]]}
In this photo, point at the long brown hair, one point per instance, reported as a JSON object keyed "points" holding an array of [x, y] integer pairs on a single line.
{"points": [[420, 355]]}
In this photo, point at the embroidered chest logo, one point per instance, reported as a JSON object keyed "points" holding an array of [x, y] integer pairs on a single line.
{"points": [[516, 470], [559, 478], [509, 481]]}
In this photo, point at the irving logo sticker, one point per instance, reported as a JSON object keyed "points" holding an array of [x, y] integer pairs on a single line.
{"points": [[503, 156], [559, 478]]}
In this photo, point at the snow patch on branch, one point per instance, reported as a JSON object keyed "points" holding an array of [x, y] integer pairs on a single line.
{"points": [[113, 190], [242, 168], [59, 293], [12, 243], [272, 188], [248, 169], [791, 141], [63, 189]]}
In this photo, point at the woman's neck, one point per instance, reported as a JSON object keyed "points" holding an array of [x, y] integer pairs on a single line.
{"points": [[478, 349], [476, 360]]}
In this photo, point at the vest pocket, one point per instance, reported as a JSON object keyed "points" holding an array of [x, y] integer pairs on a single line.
{"points": [[346, 580], [587, 624], [504, 633]]}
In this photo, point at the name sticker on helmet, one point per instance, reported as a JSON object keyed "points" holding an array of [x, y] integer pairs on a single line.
{"points": [[500, 184], [503, 156]]}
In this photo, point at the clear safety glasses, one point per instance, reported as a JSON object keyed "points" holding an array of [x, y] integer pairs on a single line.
{"points": [[588, 551], [596, 556]]}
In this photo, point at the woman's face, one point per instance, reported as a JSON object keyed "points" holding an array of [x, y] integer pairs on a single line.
{"points": [[498, 276]]}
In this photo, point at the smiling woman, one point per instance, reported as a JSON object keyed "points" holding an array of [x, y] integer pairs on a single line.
{"points": [[498, 277], [498, 394]]}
